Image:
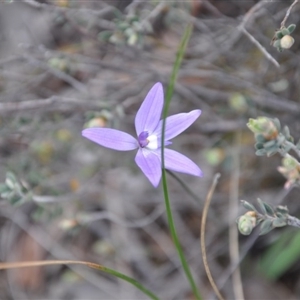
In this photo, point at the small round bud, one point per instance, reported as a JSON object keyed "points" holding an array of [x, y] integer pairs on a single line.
{"points": [[97, 122], [290, 162], [287, 42], [132, 40], [68, 224], [264, 126], [246, 223], [252, 214]]}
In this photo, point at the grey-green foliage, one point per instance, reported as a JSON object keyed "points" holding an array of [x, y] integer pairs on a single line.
{"points": [[129, 30], [265, 146], [13, 190], [268, 217], [282, 38]]}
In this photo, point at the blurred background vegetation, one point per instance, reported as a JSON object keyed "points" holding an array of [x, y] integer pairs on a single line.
{"points": [[67, 64]]}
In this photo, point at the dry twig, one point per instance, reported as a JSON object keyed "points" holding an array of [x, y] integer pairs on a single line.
{"points": [[233, 212], [282, 25], [242, 28], [202, 236], [48, 104]]}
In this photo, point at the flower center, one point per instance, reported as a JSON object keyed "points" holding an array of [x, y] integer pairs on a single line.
{"points": [[147, 141], [143, 142]]}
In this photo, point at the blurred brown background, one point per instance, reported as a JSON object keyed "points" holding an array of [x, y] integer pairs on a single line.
{"points": [[65, 64]]}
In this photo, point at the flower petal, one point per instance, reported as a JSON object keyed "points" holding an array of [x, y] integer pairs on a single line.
{"points": [[175, 161], [150, 164], [148, 115], [177, 123], [111, 138]]}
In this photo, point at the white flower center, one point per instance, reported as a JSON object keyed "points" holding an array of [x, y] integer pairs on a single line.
{"points": [[152, 142]]}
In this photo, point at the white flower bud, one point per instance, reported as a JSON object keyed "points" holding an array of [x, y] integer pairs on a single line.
{"points": [[287, 42], [246, 223]]}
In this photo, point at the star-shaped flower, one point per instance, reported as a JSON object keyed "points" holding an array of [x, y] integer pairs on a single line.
{"points": [[148, 128]]}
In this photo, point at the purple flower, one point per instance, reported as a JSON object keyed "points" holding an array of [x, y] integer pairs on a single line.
{"points": [[148, 128]]}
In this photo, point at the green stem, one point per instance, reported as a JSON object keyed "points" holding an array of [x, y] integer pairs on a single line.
{"points": [[26, 264], [179, 57], [130, 280]]}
